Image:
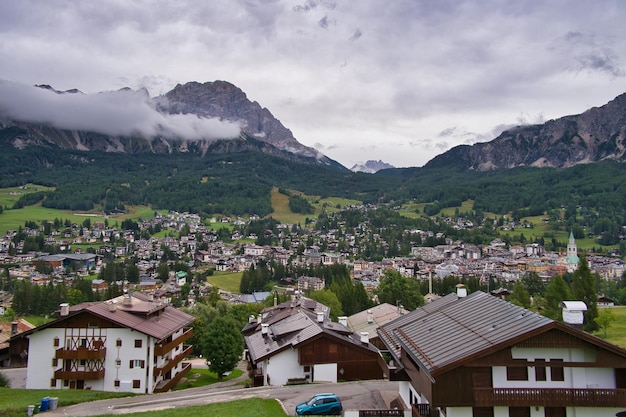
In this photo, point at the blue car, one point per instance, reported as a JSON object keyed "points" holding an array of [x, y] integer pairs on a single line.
{"points": [[324, 404]]}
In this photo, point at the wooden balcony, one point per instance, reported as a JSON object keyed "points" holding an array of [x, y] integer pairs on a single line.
{"points": [[161, 349], [79, 375], [168, 384], [172, 363], [552, 397], [81, 353]]}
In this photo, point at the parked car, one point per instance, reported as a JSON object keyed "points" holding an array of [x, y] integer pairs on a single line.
{"points": [[327, 403]]}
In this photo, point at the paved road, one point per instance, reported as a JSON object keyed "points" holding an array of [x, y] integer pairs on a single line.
{"points": [[354, 396]]}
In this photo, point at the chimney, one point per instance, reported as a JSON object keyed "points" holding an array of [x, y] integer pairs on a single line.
{"points": [[573, 313], [365, 338], [370, 317], [265, 329], [320, 317], [13, 328], [275, 300], [259, 319], [343, 320], [251, 319], [127, 300], [112, 306], [65, 309], [461, 291]]}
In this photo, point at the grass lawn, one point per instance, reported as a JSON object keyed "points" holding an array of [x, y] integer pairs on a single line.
{"points": [[13, 402], [616, 332], [251, 407], [199, 377], [228, 281]]}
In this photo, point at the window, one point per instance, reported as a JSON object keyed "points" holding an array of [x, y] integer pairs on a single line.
{"points": [[517, 373], [118, 362], [83, 342], [519, 411], [116, 383], [55, 362], [92, 325], [53, 383], [555, 412], [556, 370], [136, 383], [540, 370], [482, 412], [55, 342], [118, 343], [137, 343], [137, 363]]}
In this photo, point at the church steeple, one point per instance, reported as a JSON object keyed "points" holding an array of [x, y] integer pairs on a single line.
{"points": [[572, 250]]}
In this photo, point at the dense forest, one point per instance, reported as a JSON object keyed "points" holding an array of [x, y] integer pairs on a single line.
{"points": [[594, 195]]}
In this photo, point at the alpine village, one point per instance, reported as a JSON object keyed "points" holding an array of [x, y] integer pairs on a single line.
{"points": [[489, 282]]}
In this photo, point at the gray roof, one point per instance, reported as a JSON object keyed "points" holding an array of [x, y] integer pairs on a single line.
{"points": [[289, 328], [380, 314], [462, 328]]}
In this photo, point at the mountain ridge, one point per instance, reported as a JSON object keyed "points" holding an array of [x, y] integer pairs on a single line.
{"points": [[595, 135]]}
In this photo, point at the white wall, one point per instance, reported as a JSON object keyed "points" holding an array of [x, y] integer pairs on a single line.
{"points": [[283, 366], [325, 372], [42, 351]]}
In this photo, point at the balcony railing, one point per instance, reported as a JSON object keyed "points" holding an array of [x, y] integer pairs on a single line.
{"points": [[161, 350], [81, 353], [168, 384], [552, 397], [79, 375], [172, 363]]}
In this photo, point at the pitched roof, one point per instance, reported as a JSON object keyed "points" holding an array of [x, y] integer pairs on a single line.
{"points": [[290, 328], [471, 327], [137, 312], [369, 320], [6, 330], [463, 328]]}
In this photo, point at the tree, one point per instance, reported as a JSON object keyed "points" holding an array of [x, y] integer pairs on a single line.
{"points": [[329, 299], [394, 288], [556, 292], [520, 296], [605, 319], [584, 289], [222, 345]]}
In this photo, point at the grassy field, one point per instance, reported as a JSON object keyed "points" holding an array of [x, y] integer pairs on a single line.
{"points": [[282, 213], [251, 407], [200, 377], [616, 332], [227, 281], [11, 219]]}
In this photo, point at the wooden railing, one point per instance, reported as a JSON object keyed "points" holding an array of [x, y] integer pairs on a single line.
{"points": [[168, 384], [79, 375], [381, 413], [161, 350], [81, 353], [553, 397], [173, 362], [420, 410]]}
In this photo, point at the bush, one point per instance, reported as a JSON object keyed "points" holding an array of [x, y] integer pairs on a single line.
{"points": [[4, 381]]}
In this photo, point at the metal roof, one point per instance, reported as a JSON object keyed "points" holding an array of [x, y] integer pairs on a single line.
{"points": [[463, 328]]}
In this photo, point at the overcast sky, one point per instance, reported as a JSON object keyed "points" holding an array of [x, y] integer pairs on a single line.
{"points": [[397, 80]]}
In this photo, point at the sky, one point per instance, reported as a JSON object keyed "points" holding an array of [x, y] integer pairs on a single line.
{"points": [[394, 80]]}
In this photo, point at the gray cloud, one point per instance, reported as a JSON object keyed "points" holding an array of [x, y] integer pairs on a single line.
{"points": [[119, 113], [357, 74]]}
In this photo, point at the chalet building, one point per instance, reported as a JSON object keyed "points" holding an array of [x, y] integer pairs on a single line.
{"points": [[297, 341], [479, 355], [129, 343], [13, 354]]}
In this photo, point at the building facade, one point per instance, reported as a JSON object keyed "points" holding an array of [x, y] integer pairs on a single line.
{"points": [[479, 355], [130, 344]]}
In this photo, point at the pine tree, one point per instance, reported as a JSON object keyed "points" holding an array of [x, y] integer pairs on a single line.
{"points": [[584, 289]]}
